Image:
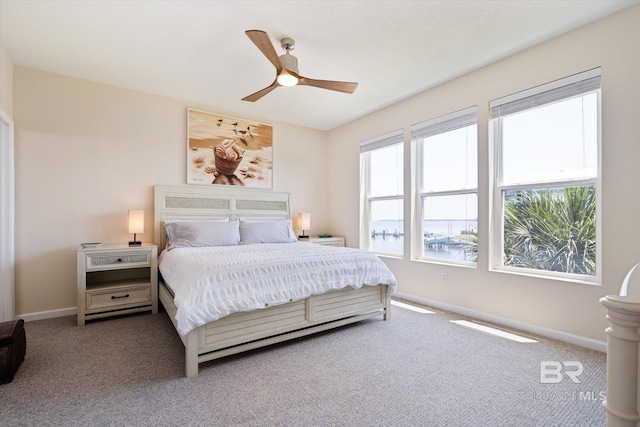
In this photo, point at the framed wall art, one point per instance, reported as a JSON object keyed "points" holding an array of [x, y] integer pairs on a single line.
{"points": [[224, 150]]}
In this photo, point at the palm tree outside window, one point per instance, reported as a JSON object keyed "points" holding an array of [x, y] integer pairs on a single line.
{"points": [[547, 179]]}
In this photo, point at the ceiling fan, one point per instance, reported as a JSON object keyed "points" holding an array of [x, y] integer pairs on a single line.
{"points": [[287, 68]]}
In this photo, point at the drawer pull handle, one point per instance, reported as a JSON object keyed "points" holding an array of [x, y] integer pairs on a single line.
{"points": [[122, 296], [119, 259]]}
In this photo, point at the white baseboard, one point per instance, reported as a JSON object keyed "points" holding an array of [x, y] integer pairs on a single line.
{"points": [[41, 315], [510, 323]]}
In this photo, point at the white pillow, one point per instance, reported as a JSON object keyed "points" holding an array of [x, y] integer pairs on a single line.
{"points": [[181, 234], [266, 232], [260, 219], [169, 221]]}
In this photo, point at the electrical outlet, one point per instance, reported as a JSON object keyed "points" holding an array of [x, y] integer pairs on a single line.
{"points": [[443, 277]]}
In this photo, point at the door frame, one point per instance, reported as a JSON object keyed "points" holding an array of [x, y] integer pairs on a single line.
{"points": [[7, 219]]}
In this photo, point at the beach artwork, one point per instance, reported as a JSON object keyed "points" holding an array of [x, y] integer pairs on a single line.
{"points": [[224, 150]]}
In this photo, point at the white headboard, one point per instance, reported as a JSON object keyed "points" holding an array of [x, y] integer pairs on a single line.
{"points": [[215, 202]]}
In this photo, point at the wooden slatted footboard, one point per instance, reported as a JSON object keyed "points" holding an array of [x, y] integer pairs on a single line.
{"points": [[250, 330]]}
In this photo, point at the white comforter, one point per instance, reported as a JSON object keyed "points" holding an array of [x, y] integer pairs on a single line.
{"points": [[213, 282]]}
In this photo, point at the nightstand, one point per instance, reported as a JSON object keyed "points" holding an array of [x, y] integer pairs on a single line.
{"points": [[117, 279], [327, 241]]}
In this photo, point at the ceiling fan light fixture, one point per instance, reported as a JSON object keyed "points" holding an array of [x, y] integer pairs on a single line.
{"points": [[287, 79]]}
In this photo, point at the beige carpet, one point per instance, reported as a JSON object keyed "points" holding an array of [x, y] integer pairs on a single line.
{"points": [[416, 370]]}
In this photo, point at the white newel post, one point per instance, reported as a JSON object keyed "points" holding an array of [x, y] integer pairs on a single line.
{"points": [[622, 399]]}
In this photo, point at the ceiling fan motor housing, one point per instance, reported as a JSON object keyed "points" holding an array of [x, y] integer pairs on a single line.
{"points": [[289, 62]]}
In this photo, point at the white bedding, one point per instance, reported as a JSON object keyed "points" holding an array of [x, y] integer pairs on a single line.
{"points": [[215, 281]]}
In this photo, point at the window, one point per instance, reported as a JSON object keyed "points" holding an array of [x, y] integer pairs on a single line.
{"points": [[447, 187], [547, 178], [382, 194]]}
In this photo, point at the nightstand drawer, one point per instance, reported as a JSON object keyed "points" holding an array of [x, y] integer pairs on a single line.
{"points": [[112, 297], [111, 260], [328, 241]]}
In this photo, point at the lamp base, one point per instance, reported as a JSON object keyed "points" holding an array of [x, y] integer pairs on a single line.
{"points": [[303, 237], [134, 243]]}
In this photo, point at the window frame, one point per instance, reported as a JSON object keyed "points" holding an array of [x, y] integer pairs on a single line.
{"points": [[366, 200], [439, 125], [498, 188]]}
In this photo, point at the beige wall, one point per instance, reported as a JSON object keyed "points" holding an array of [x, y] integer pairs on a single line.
{"points": [[6, 83], [570, 308], [85, 153]]}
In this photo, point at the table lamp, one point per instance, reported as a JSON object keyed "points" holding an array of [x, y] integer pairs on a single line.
{"points": [[136, 225]]}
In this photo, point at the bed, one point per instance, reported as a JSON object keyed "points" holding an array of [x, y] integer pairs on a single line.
{"points": [[264, 323]]}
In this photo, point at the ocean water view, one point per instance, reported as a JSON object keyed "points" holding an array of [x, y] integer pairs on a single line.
{"points": [[387, 236]]}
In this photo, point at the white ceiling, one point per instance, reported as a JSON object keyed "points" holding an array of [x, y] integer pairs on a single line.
{"points": [[197, 51]]}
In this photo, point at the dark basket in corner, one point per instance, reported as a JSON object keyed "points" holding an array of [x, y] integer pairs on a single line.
{"points": [[13, 345], [226, 166]]}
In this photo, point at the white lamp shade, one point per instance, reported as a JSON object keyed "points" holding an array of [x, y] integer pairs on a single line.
{"points": [[304, 221], [136, 221]]}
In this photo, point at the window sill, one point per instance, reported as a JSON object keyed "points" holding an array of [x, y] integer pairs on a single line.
{"points": [[384, 255], [452, 263], [530, 274]]}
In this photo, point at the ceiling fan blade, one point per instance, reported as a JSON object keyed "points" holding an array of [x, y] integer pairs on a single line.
{"points": [[346, 87], [259, 94], [262, 41]]}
